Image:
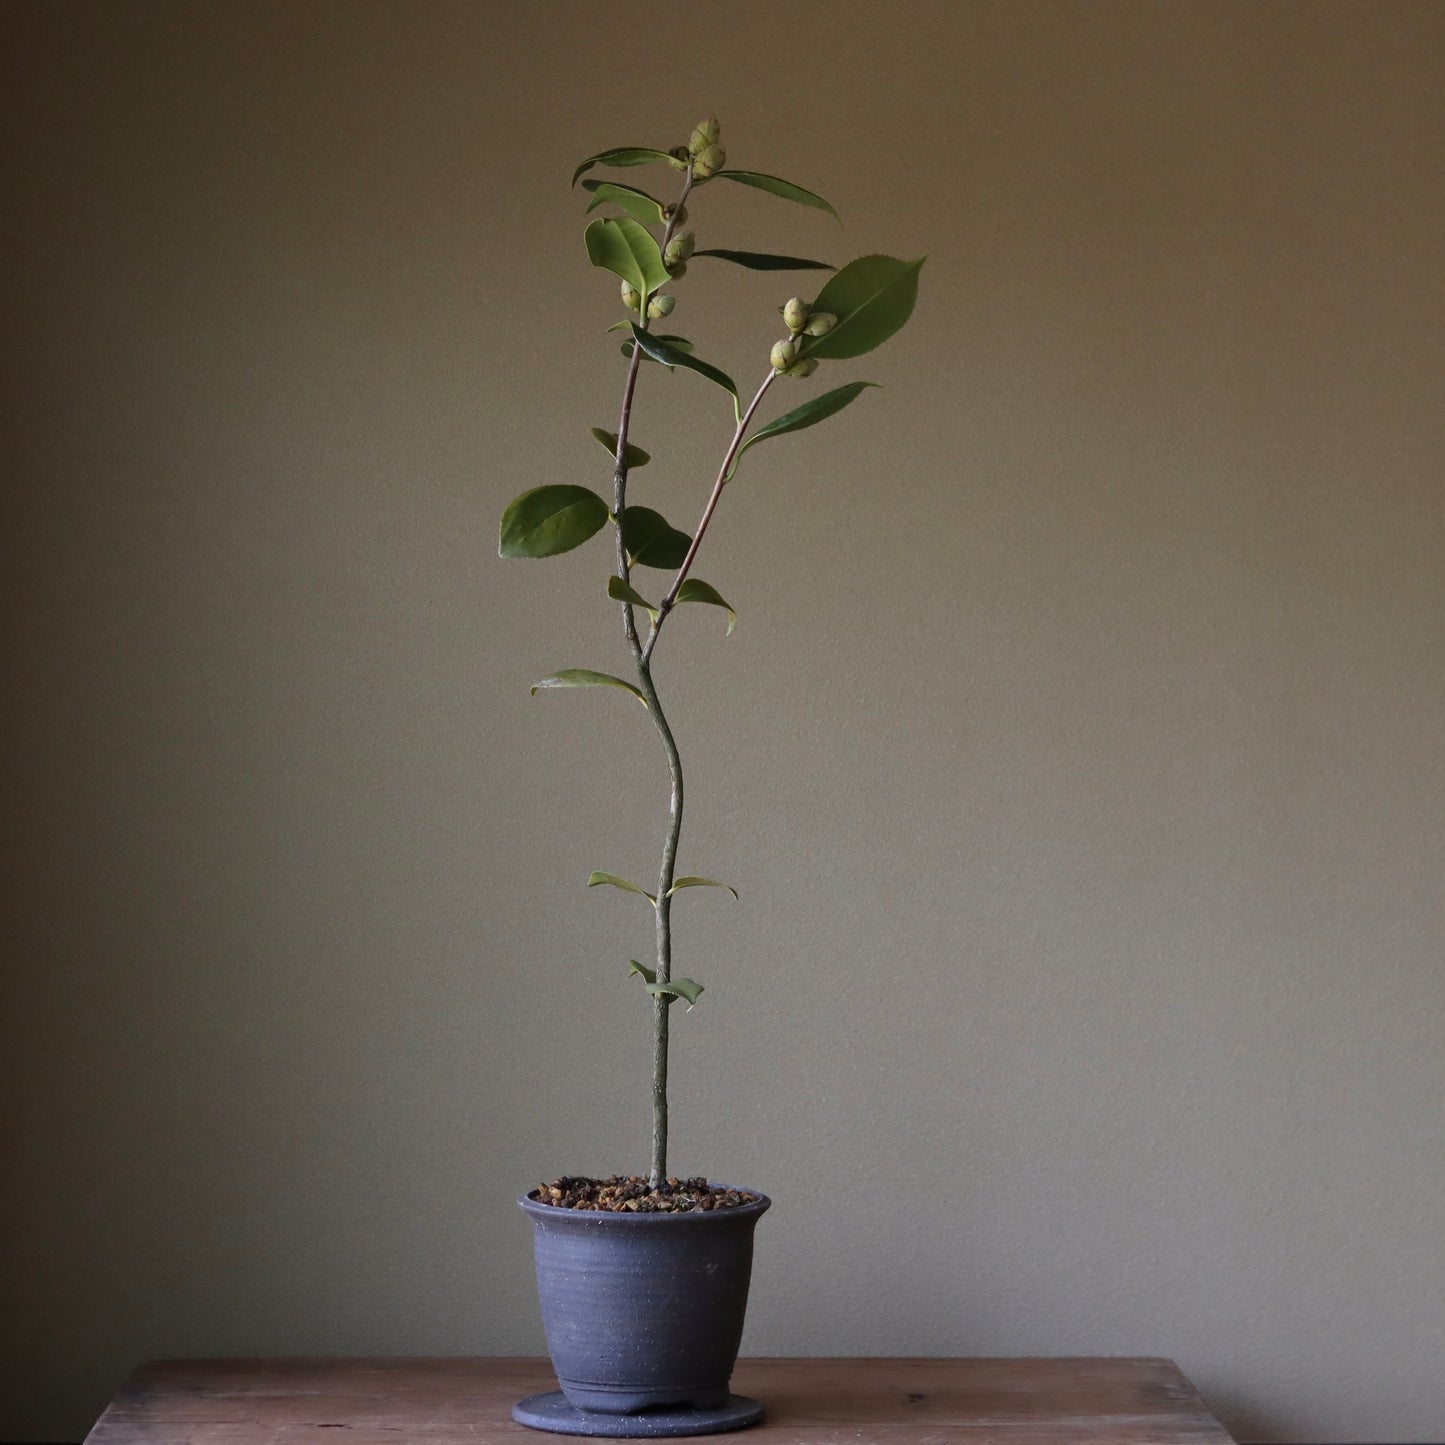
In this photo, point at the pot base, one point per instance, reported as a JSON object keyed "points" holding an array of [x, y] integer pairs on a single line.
{"points": [[552, 1412]]}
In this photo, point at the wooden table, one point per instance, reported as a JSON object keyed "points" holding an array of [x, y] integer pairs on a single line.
{"points": [[809, 1402]]}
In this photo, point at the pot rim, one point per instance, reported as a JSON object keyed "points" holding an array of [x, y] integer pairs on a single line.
{"points": [[627, 1219]]}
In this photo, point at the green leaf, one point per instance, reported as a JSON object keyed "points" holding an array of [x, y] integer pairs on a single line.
{"points": [[660, 349], [622, 156], [700, 883], [628, 251], [683, 988], [694, 589], [585, 677], [636, 457], [549, 520], [620, 591], [613, 881], [648, 975], [764, 261], [678, 343], [820, 408], [872, 298], [637, 204], [786, 189], [651, 540]]}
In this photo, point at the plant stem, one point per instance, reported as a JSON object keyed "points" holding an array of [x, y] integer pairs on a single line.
{"points": [[660, 1005], [666, 605]]}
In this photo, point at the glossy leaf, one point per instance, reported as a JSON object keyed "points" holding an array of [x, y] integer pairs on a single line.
{"points": [[694, 589], [700, 883], [660, 349], [683, 988], [628, 251], [613, 881], [872, 298], [638, 204], [777, 187], [765, 261], [620, 591], [585, 677], [820, 408], [636, 457], [548, 520], [648, 975], [678, 343], [621, 156], [651, 540]]}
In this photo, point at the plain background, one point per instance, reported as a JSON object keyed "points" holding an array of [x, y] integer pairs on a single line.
{"points": [[1079, 755]]}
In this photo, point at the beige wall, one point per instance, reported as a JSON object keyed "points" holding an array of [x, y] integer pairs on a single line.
{"points": [[1078, 755]]}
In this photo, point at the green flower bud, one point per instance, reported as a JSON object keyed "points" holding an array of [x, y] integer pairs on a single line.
{"points": [[710, 159], [630, 299], [675, 213], [806, 367], [821, 324], [678, 158], [704, 134], [783, 354], [678, 271], [679, 248], [795, 315], [661, 306]]}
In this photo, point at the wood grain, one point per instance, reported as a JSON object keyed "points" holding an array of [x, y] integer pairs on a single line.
{"points": [[809, 1402]]}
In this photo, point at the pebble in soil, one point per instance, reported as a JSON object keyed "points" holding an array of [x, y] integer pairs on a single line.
{"points": [[632, 1194]]}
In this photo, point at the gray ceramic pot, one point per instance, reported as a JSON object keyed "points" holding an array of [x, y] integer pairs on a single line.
{"points": [[643, 1311]]}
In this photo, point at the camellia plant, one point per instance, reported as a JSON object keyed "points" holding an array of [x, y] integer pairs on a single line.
{"points": [[649, 248]]}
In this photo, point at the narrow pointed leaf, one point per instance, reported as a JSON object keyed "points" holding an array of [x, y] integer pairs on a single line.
{"points": [[662, 350], [548, 520], [613, 881], [621, 156], [700, 883], [648, 975], [636, 457], [620, 591], [638, 204], [651, 540], [872, 298], [585, 677], [683, 988], [629, 252], [820, 408], [777, 187], [765, 261], [694, 589]]}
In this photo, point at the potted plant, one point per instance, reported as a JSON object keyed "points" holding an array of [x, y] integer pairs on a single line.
{"points": [[644, 1278]]}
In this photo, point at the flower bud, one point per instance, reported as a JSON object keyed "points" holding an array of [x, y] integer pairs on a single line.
{"points": [[679, 248], [820, 324], [783, 354], [675, 213], [630, 299], [708, 160], [806, 367], [795, 315], [678, 158], [704, 134], [661, 306], [678, 271]]}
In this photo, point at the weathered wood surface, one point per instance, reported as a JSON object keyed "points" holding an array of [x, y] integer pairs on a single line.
{"points": [[809, 1402]]}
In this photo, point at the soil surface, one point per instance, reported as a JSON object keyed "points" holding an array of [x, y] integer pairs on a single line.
{"points": [[632, 1194]]}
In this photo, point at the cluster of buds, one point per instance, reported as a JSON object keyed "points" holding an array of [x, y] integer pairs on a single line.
{"points": [[658, 307], [787, 355], [707, 156], [785, 358]]}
